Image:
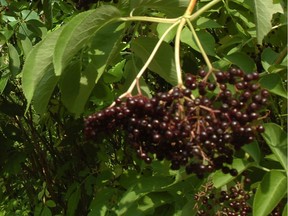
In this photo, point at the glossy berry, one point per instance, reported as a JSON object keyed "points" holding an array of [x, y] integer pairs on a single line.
{"points": [[186, 129]]}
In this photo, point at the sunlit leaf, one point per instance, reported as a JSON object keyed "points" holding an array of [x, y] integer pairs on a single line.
{"points": [[271, 190], [264, 11], [79, 31], [38, 78], [115, 73], [162, 27]]}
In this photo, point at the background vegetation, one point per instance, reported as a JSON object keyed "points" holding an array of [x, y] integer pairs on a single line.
{"points": [[61, 61]]}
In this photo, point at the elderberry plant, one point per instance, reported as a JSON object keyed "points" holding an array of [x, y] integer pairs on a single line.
{"points": [[199, 123], [155, 138]]}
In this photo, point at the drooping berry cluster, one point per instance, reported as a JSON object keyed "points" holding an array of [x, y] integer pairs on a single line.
{"points": [[199, 126], [232, 202]]}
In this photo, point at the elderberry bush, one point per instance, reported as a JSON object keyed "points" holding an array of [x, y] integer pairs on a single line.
{"points": [[198, 126]]}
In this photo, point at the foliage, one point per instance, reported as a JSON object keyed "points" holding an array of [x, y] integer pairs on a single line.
{"points": [[61, 61]]}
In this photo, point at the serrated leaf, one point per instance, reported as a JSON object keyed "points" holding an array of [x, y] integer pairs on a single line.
{"points": [[274, 84], [276, 138], [271, 190], [264, 11], [77, 33], [38, 70], [163, 62]]}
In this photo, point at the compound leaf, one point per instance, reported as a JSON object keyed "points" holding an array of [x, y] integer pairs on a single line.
{"points": [[78, 32]]}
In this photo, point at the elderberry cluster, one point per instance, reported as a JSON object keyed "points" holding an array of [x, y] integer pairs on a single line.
{"points": [[198, 126], [232, 202]]}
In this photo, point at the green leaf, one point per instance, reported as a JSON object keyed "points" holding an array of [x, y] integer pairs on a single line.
{"points": [[204, 23], [103, 48], [172, 8], [242, 60], [69, 84], [46, 211], [98, 206], [227, 42], [26, 45], [271, 190], [264, 11], [276, 138], [274, 84], [142, 187], [253, 150], [47, 8], [50, 203], [38, 78], [285, 211], [162, 27], [78, 31], [44, 90], [73, 202], [3, 82], [268, 58], [163, 62], [115, 73], [14, 60], [206, 39], [220, 179]]}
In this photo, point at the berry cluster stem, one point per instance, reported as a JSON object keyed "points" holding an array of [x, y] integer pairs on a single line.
{"points": [[177, 41], [145, 66], [181, 22], [206, 59]]}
